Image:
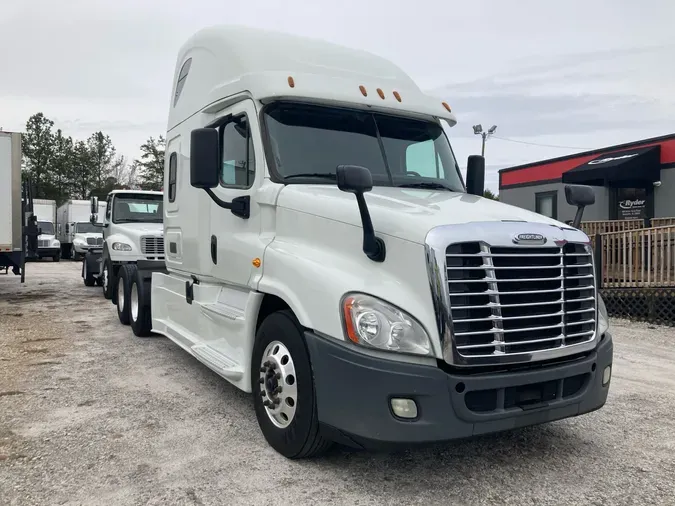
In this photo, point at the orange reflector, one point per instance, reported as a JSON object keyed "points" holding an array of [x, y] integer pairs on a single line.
{"points": [[349, 323], [380, 93], [447, 107], [363, 90], [291, 82], [397, 96], [256, 262]]}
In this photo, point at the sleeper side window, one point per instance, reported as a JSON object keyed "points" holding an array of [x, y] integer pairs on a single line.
{"points": [[237, 157], [173, 166], [180, 82]]}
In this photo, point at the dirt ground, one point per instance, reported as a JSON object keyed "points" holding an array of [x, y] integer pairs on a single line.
{"points": [[89, 414]]}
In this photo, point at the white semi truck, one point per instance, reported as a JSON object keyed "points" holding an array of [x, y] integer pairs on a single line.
{"points": [[324, 253], [76, 234], [132, 231], [16, 207], [48, 245]]}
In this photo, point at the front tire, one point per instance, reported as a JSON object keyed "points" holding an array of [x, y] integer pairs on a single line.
{"points": [[56, 258], [283, 388], [108, 282], [89, 279], [127, 273]]}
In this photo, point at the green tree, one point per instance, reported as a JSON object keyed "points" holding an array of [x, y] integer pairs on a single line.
{"points": [[61, 173], [81, 174], [38, 152], [151, 164], [487, 193], [102, 153]]}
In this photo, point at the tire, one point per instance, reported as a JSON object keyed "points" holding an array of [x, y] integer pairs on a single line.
{"points": [[89, 279], [127, 273], [56, 258], [297, 436], [140, 313], [107, 279]]}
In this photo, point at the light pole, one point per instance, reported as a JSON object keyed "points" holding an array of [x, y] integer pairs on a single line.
{"points": [[478, 130]]}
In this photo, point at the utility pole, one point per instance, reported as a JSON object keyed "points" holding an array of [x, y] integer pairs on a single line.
{"points": [[478, 130]]}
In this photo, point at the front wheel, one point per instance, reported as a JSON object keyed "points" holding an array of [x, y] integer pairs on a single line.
{"points": [[283, 388], [56, 257], [89, 279], [107, 280]]}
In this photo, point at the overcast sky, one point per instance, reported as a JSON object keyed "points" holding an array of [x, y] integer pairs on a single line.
{"points": [[577, 74]]}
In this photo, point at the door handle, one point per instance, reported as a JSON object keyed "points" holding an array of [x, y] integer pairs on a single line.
{"points": [[214, 249]]}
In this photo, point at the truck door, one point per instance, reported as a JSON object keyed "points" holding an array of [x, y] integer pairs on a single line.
{"points": [[234, 241]]}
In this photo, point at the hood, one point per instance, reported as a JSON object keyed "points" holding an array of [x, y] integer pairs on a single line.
{"points": [[403, 212], [154, 229]]}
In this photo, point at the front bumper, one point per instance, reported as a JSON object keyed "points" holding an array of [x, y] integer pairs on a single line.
{"points": [[353, 394], [83, 249], [49, 252]]}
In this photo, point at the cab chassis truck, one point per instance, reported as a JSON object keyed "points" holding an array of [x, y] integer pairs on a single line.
{"points": [[324, 253]]}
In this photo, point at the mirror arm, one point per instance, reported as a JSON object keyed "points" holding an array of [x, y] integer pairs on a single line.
{"points": [[373, 246], [577, 218], [240, 206]]}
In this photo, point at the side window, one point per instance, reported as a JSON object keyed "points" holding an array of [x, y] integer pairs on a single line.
{"points": [[423, 159], [237, 158], [173, 166], [546, 203], [180, 82]]}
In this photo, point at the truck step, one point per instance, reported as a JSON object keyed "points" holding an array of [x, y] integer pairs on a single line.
{"points": [[217, 361]]}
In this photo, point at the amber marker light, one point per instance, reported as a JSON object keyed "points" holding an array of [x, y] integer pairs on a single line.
{"points": [[256, 262], [291, 82], [447, 107], [397, 96], [380, 93], [349, 321], [363, 90]]}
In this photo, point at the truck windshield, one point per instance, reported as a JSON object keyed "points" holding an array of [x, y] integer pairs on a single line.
{"points": [[137, 208], [86, 228], [309, 142], [47, 227]]}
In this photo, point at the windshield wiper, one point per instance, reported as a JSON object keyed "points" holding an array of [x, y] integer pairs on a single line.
{"points": [[427, 185], [317, 175]]}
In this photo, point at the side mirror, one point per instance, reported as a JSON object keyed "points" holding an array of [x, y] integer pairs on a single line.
{"points": [[579, 196], [204, 162], [93, 219], [358, 180], [67, 228], [94, 205], [354, 179], [475, 175]]}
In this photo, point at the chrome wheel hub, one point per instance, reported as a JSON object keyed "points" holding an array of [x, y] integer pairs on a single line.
{"points": [[278, 387], [120, 294], [105, 279], [133, 303]]}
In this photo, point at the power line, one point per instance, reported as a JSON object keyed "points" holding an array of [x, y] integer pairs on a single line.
{"points": [[541, 145]]}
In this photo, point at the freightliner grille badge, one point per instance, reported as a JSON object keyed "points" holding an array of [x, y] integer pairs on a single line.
{"points": [[529, 239]]}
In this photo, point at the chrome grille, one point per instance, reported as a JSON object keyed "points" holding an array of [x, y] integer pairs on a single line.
{"points": [[95, 241], [43, 243], [152, 246], [519, 300]]}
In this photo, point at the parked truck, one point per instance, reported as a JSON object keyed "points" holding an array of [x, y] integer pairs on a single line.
{"points": [[48, 245], [132, 230], [76, 234], [324, 253], [16, 207]]}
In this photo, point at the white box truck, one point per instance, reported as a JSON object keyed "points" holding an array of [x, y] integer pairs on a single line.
{"points": [[132, 231], [48, 245], [74, 231], [15, 206], [324, 253]]}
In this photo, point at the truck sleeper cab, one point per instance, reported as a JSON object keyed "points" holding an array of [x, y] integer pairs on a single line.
{"points": [[324, 253]]}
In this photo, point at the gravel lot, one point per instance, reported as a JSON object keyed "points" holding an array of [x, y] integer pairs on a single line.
{"points": [[91, 415]]}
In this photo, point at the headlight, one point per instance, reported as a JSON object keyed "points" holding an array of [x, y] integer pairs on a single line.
{"points": [[603, 317], [121, 246], [79, 242], [56, 243], [372, 322]]}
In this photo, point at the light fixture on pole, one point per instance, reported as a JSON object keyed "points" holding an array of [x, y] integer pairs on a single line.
{"points": [[478, 130]]}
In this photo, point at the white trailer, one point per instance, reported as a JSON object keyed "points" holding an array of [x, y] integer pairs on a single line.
{"points": [[74, 231], [15, 202], [324, 253], [48, 245]]}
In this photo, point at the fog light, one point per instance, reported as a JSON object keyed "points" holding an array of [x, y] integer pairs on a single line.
{"points": [[606, 375], [404, 408]]}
